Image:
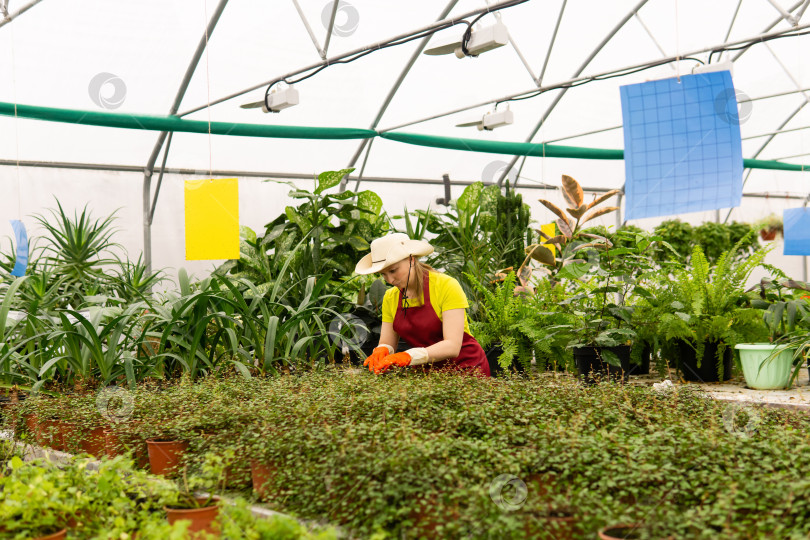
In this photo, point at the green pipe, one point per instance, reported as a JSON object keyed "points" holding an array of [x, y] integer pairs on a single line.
{"points": [[175, 124], [498, 147], [548, 150]]}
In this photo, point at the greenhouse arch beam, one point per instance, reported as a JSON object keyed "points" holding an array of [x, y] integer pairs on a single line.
{"points": [[435, 26], [301, 176], [579, 71], [181, 92], [391, 93], [17, 13], [564, 84]]}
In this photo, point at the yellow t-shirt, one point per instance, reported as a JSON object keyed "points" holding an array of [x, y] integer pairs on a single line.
{"points": [[445, 294]]}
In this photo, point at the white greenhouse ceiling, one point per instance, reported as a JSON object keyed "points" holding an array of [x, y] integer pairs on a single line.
{"points": [[130, 58]]}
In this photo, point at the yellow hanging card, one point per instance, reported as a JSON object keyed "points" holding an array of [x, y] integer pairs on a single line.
{"points": [[551, 230], [212, 219]]}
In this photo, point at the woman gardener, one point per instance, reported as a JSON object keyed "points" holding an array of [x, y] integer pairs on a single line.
{"points": [[425, 308]]}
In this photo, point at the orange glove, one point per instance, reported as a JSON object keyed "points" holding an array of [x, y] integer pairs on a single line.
{"points": [[378, 354], [401, 359]]}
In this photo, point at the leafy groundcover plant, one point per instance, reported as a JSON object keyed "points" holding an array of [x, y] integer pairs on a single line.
{"points": [[113, 502], [412, 456]]}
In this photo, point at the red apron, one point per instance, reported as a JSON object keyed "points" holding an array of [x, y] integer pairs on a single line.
{"points": [[421, 327]]}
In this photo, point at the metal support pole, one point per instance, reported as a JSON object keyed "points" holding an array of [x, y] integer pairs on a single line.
{"points": [[391, 93], [147, 173], [551, 44], [335, 4], [8, 18], [314, 39]]}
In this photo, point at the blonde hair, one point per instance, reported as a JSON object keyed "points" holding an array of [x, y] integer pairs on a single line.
{"points": [[419, 269]]}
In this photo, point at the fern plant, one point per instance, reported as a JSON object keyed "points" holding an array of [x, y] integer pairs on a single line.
{"points": [[704, 303], [500, 315]]}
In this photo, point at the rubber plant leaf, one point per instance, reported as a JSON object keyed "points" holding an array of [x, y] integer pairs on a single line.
{"points": [[602, 239], [577, 212], [600, 212], [572, 191], [603, 197], [543, 235], [541, 254], [551, 206], [559, 239], [565, 228]]}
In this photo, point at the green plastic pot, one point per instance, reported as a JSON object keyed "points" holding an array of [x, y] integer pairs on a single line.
{"points": [[762, 373]]}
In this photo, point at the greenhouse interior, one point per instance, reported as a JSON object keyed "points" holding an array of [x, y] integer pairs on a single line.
{"points": [[358, 269]]}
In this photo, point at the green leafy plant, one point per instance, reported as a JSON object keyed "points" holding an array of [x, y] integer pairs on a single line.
{"points": [[502, 312], [782, 313], [703, 303]]}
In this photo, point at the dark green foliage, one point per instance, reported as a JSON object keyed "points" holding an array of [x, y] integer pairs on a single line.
{"points": [[714, 239], [512, 233], [677, 234], [411, 455]]}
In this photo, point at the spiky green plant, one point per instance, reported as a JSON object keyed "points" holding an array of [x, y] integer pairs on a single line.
{"points": [[80, 248]]}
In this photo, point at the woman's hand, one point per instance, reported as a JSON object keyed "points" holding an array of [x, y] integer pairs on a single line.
{"points": [[378, 354], [417, 355], [400, 359]]}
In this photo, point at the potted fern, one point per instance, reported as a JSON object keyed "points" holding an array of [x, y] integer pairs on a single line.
{"points": [[704, 312], [769, 366], [500, 312]]}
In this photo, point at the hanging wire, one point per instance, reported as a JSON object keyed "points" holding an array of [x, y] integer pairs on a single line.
{"points": [[677, 43], [16, 124], [208, 96]]}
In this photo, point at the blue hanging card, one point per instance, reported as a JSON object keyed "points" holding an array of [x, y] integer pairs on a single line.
{"points": [[682, 145]]}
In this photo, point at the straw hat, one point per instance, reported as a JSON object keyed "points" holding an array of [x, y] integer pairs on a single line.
{"points": [[390, 249]]}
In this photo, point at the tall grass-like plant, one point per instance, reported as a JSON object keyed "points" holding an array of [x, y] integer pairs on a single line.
{"points": [[133, 281], [94, 349], [79, 247]]}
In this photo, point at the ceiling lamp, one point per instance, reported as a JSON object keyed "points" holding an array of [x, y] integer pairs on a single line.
{"points": [[276, 100], [474, 42], [491, 120]]}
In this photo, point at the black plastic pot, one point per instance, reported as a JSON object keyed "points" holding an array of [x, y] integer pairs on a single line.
{"points": [[707, 372], [593, 367], [495, 368], [644, 367]]}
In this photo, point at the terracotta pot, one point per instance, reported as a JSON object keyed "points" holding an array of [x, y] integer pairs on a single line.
{"points": [[93, 443], [202, 519], [557, 527], [262, 475], [48, 434], [540, 485], [116, 444], [55, 536], [112, 444], [31, 423], [622, 531], [768, 234], [165, 456]]}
